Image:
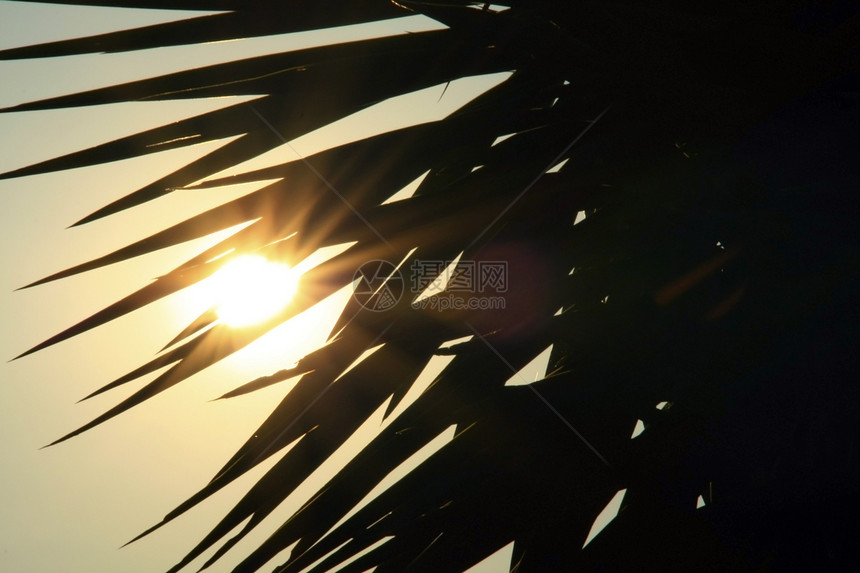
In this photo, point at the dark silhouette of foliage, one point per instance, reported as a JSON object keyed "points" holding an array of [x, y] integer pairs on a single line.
{"points": [[712, 148]]}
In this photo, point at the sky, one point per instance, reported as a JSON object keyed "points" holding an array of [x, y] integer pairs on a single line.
{"points": [[70, 507]]}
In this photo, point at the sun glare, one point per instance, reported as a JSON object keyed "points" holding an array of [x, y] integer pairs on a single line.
{"points": [[251, 288]]}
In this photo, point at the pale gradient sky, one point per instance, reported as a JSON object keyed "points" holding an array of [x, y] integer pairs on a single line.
{"points": [[70, 507]]}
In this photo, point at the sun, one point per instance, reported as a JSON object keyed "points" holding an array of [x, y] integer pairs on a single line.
{"points": [[250, 288]]}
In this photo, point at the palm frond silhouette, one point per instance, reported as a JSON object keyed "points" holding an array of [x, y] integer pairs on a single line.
{"points": [[705, 154]]}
